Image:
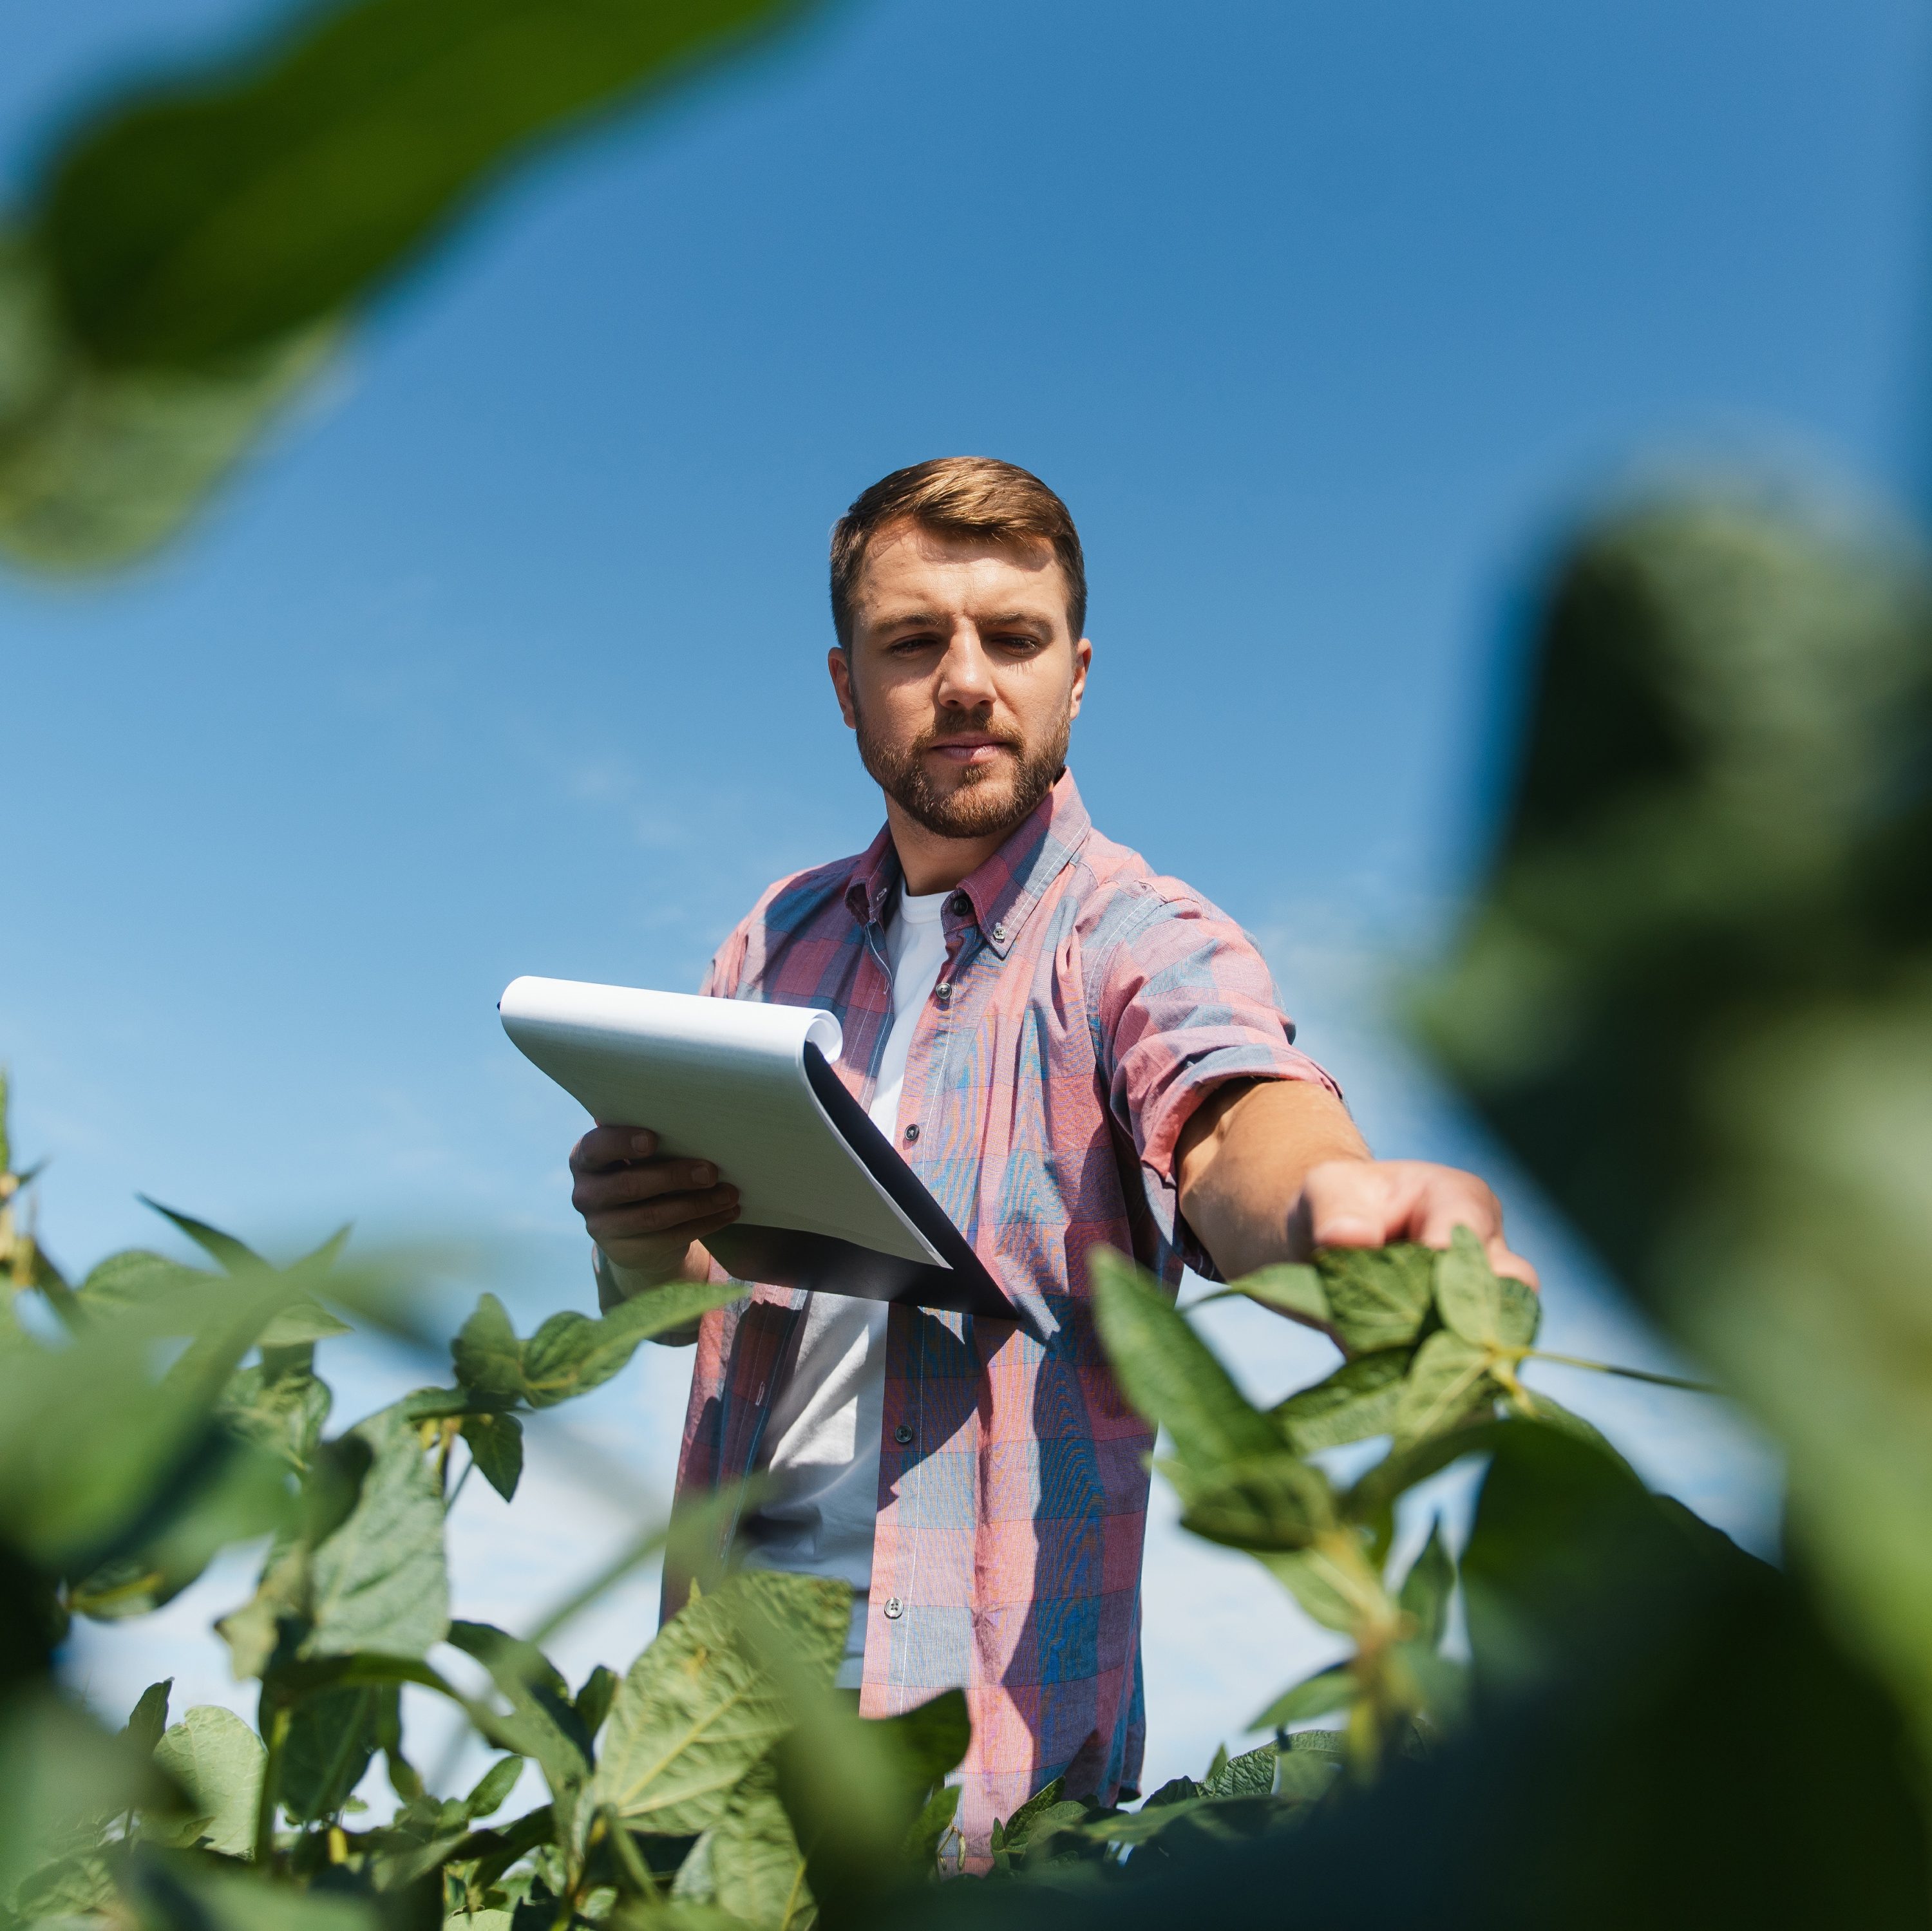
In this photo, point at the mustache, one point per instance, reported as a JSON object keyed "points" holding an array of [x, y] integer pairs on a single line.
{"points": [[1007, 739]]}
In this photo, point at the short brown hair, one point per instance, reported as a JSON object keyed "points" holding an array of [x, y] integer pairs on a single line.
{"points": [[961, 496]]}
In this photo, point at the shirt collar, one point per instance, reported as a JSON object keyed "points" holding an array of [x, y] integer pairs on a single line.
{"points": [[1000, 897]]}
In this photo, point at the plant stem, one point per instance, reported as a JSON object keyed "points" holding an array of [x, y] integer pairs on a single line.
{"points": [[271, 1779], [1628, 1374]]}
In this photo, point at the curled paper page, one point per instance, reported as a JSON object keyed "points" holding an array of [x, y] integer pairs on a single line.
{"points": [[730, 1081]]}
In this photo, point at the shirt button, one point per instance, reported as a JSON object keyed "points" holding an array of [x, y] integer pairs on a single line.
{"points": [[911, 1134], [895, 1608], [902, 1434], [960, 906], [1000, 933], [943, 992]]}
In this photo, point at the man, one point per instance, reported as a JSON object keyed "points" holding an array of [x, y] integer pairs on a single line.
{"points": [[1069, 1051]]}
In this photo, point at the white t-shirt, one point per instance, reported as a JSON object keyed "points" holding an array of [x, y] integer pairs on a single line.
{"points": [[818, 1515]]}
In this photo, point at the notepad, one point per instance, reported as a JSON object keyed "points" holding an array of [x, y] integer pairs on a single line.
{"points": [[825, 1200]]}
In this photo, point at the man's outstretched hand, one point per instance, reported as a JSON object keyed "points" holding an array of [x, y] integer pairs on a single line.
{"points": [[1359, 1203], [1269, 1170], [645, 1210]]}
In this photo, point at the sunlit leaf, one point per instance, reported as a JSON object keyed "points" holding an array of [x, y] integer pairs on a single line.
{"points": [[696, 1710], [218, 1760]]}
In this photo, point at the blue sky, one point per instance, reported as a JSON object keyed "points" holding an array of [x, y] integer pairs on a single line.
{"points": [[507, 656]]}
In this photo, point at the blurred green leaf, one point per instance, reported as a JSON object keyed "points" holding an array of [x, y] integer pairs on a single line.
{"points": [[1320, 1695], [1430, 1583], [1721, 846], [1167, 1373], [1296, 1291], [218, 1760], [492, 1790], [210, 216], [757, 1868], [1356, 1402], [1272, 1502]]}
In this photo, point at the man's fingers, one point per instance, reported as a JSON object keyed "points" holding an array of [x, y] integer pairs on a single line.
{"points": [[606, 1147], [1366, 1203], [644, 1179], [662, 1214], [1348, 1203], [1502, 1261]]}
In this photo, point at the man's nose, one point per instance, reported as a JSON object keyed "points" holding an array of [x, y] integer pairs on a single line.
{"points": [[965, 672]]}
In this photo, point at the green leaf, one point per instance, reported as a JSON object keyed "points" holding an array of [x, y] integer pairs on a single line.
{"points": [[930, 1739], [378, 1581], [1447, 1383], [202, 220], [331, 1739], [1356, 1402], [1296, 1291], [593, 1700], [497, 1442], [284, 1412], [1427, 1588], [218, 1761], [1403, 1466], [149, 1717], [134, 1278], [1533, 1405], [1270, 1502], [571, 1354], [1378, 1297], [757, 1868], [1167, 1371], [486, 1353], [492, 1790], [545, 1724], [1336, 1588], [1486, 1309], [233, 1255], [1249, 1775], [1319, 1695], [696, 1710], [931, 1827]]}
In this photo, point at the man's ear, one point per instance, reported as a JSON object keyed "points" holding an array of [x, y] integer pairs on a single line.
{"points": [[839, 663], [1083, 656]]}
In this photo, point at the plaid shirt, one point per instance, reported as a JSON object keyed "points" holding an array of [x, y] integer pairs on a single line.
{"points": [[1085, 1008]]}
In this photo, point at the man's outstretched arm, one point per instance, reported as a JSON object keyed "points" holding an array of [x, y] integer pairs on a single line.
{"points": [[1270, 1169]]}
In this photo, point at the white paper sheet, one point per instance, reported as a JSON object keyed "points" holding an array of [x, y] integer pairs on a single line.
{"points": [[722, 1079]]}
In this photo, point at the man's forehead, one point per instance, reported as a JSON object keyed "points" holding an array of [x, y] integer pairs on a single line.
{"points": [[907, 565]]}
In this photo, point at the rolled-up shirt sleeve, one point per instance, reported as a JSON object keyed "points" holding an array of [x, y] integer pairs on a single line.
{"points": [[1187, 1003]]}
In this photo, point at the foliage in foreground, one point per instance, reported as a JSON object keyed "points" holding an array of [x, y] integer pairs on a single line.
{"points": [[680, 1791], [195, 254]]}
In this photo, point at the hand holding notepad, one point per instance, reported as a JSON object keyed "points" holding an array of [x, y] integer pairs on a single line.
{"points": [[825, 1200]]}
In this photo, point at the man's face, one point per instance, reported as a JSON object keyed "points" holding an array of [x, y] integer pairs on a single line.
{"points": [[964, 677]]}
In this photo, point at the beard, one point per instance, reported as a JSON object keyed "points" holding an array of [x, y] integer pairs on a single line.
{"points": [[988, 801]]}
